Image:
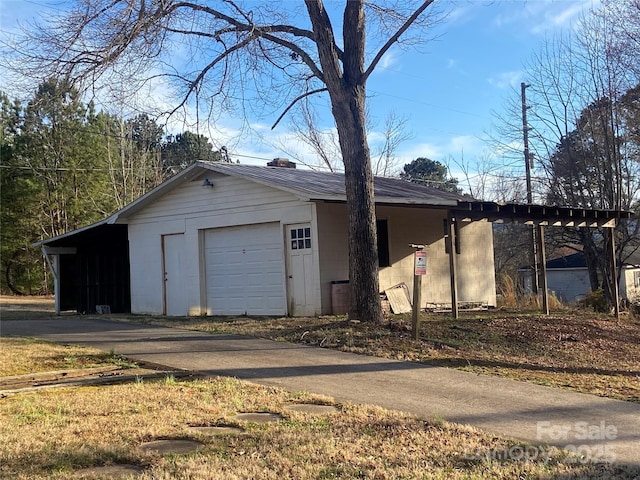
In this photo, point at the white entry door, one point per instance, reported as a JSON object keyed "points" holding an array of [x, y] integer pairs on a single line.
{"points": [[175, 300], [300, 270]]}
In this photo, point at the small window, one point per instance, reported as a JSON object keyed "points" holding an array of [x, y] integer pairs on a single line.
{"points": [[383, 243], [636, 279], [300, 238]]}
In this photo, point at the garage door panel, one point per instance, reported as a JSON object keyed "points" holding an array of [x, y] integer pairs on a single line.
{"points": [[245, 270]]}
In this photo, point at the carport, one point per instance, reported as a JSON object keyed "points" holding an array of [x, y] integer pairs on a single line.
{"points": [[539, 217], [90, 267]]}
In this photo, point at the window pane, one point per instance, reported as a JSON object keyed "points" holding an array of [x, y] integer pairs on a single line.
{"points": [[307, 233], [300, 233], [300, 243], [294, 245], [307, 243], [383, 243], [293, 234]]}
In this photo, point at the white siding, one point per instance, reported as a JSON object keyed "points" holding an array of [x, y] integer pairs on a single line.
{"points": [[333, 251], [189, 209], [628, 284], [572, 284], [568, 284], [476, 277]]}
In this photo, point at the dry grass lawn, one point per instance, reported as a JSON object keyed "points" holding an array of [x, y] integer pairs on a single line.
{"points": [[28, 355], [52, 434]]}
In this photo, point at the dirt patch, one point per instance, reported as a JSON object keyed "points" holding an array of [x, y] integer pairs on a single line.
{"points": [[17, 384], [26, 308]]}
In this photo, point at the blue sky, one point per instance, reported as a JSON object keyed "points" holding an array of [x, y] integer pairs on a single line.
{"points": [[447, 91]]}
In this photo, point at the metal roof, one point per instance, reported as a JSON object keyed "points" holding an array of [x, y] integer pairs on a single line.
{"points": [[313, 185], [630, 258]]}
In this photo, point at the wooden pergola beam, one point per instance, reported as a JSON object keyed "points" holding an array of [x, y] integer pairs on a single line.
{"points": [[540, 216]]}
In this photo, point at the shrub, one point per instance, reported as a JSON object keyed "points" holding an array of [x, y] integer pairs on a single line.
{"points": [[507, 291], [596, 301]]}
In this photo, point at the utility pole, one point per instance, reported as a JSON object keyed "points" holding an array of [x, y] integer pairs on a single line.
{"points": [[528, 162]]}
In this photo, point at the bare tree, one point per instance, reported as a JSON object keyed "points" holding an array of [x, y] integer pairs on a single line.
{"points": [[323, 142], [325, 145], [581, 100], [394, 134], [281, 51]]}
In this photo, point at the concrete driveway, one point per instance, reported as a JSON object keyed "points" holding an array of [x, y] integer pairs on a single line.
{"points": [[599, 428]]}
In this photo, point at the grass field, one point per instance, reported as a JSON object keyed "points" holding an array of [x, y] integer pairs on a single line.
{"points": [[52, 434]]}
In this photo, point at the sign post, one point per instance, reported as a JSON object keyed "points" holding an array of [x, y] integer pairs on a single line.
{"points": [[420, 269]]}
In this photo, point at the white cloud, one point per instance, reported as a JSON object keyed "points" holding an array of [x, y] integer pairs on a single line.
{"points": [[447, 150], [464, 144], [389, 59], [417, 150], [541, 16], [505, 80]]}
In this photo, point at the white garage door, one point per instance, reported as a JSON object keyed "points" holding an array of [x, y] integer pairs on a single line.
{"points": [[245, 270]]}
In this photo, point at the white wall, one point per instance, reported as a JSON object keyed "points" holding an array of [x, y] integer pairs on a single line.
{"points": [[333, 252], [476, 277], [572, 284], [628, 288], [188, 209], [568, 284]]}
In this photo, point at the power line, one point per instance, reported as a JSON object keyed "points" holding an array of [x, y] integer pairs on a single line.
{"points": [[66, 169]]}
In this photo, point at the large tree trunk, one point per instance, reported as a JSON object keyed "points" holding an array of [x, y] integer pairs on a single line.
{"points": [[592, 258], [346, 87], [363, 247]]}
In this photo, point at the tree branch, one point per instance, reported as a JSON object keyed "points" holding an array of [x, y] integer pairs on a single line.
{"points": [[262, 31], [296, 100], [394, 38], [325, 41], [194, 83]]}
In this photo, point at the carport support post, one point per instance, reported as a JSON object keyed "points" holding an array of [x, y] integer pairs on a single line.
{"points": [[614, 272], [55, 268], [543, 270], [451, 242]]}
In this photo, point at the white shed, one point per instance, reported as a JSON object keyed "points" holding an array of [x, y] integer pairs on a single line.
{"points": [[568, 277], [229, 239]]}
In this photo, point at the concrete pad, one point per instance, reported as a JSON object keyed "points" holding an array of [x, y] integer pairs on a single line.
{"points": [[114, 472], [312, 408], [172, 446], [219, 430], [258, 417], [520, 410]]}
